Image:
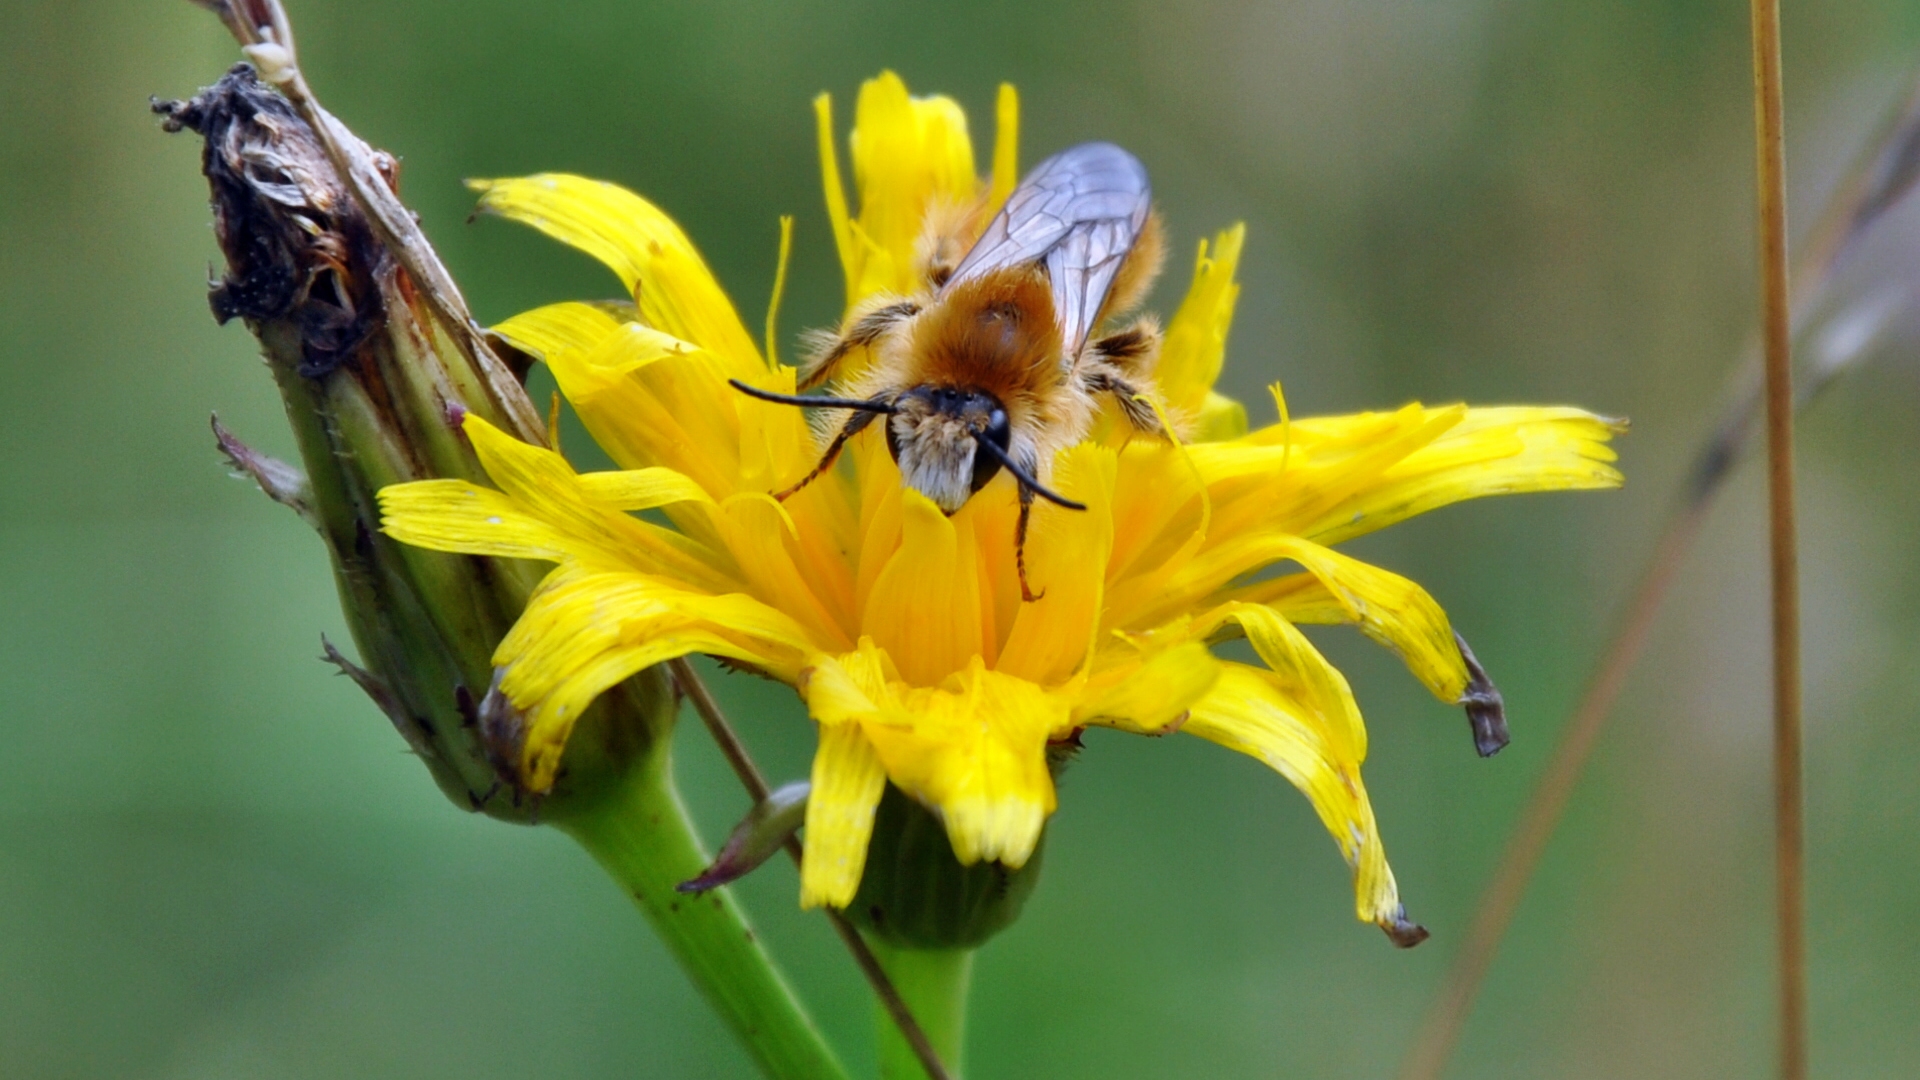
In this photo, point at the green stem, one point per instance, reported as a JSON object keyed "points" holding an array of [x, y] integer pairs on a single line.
{"points": [[642, 837], [934, 984]]}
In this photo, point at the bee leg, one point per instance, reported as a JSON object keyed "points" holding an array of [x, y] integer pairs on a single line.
{"points": [[1130, 352], [830, 349], [855, 425], [1130, 398], [1020, 545]]}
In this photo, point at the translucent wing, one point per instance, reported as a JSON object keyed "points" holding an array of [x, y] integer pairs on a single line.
{"points": [[1079, 213]]}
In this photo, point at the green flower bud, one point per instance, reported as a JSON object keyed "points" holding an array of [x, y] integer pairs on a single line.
{"points": [[914, 894]]}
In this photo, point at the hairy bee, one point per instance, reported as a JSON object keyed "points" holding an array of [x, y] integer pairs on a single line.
{"points": [[997, 366]]}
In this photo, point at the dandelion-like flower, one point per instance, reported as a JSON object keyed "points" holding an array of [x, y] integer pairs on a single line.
{"points": [[903, 628]]}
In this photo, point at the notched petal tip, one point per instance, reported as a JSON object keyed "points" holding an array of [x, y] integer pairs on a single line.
{"points": [[1402, 931], [1486, 709]]}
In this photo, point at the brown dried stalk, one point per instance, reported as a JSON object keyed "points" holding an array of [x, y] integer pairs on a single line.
{"points": [[1777, 332]]}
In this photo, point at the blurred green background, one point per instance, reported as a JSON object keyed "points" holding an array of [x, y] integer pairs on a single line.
{"points": [[216, 861]]}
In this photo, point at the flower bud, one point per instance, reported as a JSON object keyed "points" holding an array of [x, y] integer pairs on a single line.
{"points": [[915, 894]]}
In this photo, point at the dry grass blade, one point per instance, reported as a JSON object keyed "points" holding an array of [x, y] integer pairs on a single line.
{"points": [[1879, 178], [1777, 337]]}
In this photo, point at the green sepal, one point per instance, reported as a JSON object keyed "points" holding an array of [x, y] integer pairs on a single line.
{"points": [[915, 894]]}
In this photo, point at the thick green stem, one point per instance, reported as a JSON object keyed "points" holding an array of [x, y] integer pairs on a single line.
{"points": [[934, 984], [642, 836]]}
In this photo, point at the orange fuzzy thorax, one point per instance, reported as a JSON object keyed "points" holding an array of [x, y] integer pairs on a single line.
{"points": [[996, 333]]}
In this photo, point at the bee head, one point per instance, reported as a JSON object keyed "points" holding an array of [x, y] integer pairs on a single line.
{"points": [[936, 434]]}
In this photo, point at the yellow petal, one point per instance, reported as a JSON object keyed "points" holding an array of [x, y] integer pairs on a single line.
{"points": [[544, 512], [1221, 418], [543, 486], [924, 609], [1006, 146], [1196, 341], [1301, 599], [1272, 484], [641, 489], [584, 631], [1293, 476], [763, 541], [1149, 697], [852, 259], [1301, 672], [878, 481], [652, 399], [454, 515], [845, 688], [565, 329], [1067, 556], [577, 615], [1388, 608], [1161, 515], [1496, 451], [907, 152], [975, 751], [847, 783], [1259, 714], [653, 258]]}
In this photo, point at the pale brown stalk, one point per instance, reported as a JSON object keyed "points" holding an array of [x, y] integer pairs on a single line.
{"points": [[1777, 338], [735, 751]]}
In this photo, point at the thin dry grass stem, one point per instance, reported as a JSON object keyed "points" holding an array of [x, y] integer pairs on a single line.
{"points": [[755, 782], [1878, 179], [1777, 335]]}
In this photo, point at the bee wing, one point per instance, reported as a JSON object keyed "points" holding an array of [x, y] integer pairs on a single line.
{"points": [[1079, 213]]}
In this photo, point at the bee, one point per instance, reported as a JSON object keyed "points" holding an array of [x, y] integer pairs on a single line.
{"points": [[996, 365]]}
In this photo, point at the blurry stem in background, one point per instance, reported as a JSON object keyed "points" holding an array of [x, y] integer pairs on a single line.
{"points": [[906, 1033], [1882, 175], [1777, 332]]}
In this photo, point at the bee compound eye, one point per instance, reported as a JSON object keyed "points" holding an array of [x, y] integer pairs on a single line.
{"points": [[999, 432], [893, 426]]}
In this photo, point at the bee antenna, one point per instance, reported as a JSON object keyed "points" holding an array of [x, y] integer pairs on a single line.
{"points": [[876, 405], [1026, 479]]}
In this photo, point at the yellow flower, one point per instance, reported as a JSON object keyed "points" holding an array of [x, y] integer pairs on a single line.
{"points": [[903, 628]]}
